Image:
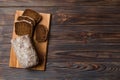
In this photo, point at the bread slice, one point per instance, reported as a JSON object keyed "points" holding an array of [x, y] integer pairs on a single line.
{"points": [[33, 14], [41, 33], [20, 18], [25, 52], [23, 28]]}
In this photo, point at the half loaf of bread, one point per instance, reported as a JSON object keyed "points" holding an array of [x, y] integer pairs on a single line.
{"points": [[25, 51]]}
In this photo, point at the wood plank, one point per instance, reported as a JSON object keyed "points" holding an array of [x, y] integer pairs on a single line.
{"points": [[65, 70], [88, 29], [87, 57], [74, 19], [60, 3], [70, 15], [86, 19], [62, 9], [39, 46]]}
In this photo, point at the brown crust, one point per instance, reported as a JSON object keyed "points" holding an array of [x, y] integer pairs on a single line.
{"points": [[41, 33], [33, 14], [23, 28], [26, 18]]}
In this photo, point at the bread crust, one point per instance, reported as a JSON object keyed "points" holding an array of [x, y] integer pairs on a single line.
{"points": [[33, 14]]}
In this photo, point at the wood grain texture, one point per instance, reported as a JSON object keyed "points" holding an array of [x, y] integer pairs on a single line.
{"points": [[60, 3], [63, 15], [84, 42]]}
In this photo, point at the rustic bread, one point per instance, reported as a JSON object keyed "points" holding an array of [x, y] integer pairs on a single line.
{"points": [[27, 18], [23, 27], [41, 33], [25, 52], [33, 14]]}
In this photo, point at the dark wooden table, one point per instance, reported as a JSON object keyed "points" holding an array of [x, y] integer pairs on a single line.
{"points": [[84, 42]]}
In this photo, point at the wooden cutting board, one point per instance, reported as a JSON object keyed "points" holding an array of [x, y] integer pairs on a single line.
{"points": [[40, 47]]}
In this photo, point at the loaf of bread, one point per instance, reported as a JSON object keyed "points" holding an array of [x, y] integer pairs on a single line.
{"points": [[25, 52]]}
